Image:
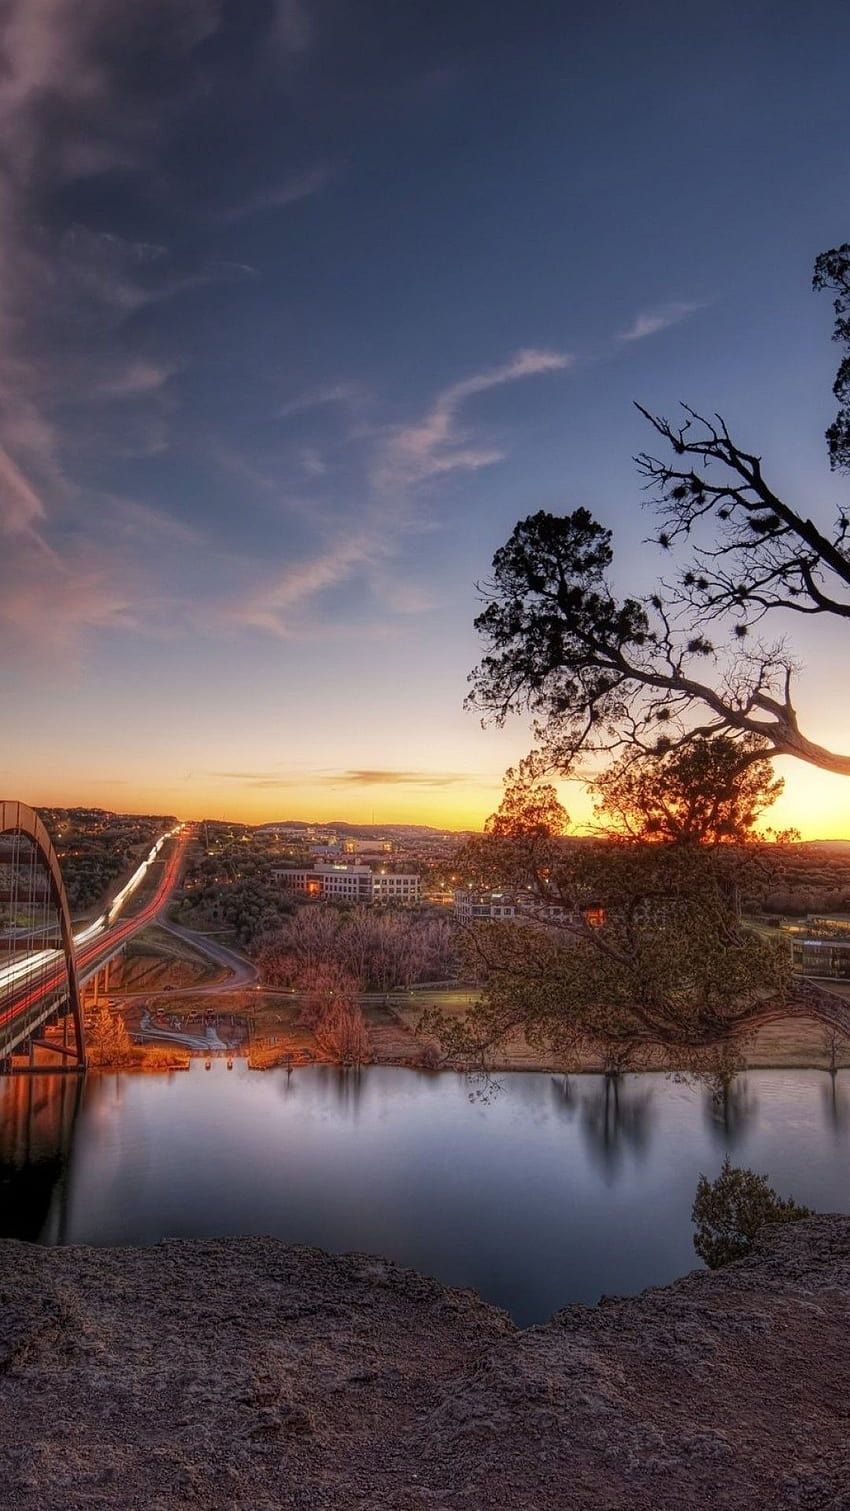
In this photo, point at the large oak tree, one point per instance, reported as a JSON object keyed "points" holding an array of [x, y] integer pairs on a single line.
{"points": [[600, 671], [625, 947]]}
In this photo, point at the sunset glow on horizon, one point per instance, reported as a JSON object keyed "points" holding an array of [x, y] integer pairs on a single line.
{"points": [[302, 309], [815, 803]]}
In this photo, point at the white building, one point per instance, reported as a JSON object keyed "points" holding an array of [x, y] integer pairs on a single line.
{"points": [[342, 849], [351, 884], [516, 907], [484, 907]]}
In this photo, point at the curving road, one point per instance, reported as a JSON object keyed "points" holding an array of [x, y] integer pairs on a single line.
{"points": [[242, 972]]}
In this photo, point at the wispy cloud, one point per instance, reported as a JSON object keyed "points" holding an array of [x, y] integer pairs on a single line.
{"points": [[47, 603], [650, 322], [334, 393], [20, 505], [243, 776], [133, 380], [376, 777], [271, 606], [402, 459], [143, 522], [436, 444], [280, 196], [68, 110], [391, 778], [313, 462], [402, 596], [292, 26]]}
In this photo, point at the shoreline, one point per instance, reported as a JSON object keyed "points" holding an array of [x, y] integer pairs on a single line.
{"points": [[506, 1066], [174, 981]]}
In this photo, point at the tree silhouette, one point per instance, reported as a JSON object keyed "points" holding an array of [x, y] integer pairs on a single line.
{"points": [[709, 792], [601, 672], [832, 271]]}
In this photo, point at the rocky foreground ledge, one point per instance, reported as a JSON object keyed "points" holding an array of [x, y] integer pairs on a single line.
{"points": [[248, 1373]]}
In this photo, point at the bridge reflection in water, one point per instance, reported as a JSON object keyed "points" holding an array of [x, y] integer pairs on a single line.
{"points": [[38, 1119]]}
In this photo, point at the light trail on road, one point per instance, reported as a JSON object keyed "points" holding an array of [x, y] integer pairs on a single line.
{"points": [[97, 951], [40, 959]]}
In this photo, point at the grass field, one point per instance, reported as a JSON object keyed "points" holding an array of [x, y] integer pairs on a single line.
{"points": [[274, 1035]]}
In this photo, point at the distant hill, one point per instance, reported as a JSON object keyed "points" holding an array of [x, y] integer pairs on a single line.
{"points": [[365, 831]]}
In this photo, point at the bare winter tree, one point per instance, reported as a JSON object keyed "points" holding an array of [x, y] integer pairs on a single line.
{"points": [[598, 672], [341, 1032], [307, 939], [381, 950], [322, 988]]}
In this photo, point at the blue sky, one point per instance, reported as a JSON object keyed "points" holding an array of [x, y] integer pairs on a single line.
{"points": [[304, 304]]}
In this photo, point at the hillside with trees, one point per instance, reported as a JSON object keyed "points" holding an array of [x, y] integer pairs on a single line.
{"points": [[96, 848], [228, 884]]}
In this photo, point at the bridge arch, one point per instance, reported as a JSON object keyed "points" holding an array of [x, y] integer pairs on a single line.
{"points": [[19, 818]]}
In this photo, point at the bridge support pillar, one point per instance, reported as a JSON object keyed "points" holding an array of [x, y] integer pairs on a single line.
{"points": [[97, 986]]}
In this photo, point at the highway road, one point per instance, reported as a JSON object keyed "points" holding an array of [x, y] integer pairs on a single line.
{"points": [[95, 952]]}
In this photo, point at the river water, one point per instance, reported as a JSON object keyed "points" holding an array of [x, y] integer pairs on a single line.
{"points": [[535, 1190]]}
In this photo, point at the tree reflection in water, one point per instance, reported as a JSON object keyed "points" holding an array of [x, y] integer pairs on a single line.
{"points": [[615, 1115], [348, 1085], [730, 1107], [38, 1115], [836, 1103], [564, 1096]]}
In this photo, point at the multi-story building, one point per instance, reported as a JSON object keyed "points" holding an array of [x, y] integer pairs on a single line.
{"points": [[821, 957], [351, 884], [484, 907], [820, 947], [519, 907], [338, 849]]}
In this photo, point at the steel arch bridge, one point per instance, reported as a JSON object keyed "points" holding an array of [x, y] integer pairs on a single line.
{"points": [[39, 985]]}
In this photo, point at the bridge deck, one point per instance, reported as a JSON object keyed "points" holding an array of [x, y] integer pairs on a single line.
{"points": [[36, 986]]}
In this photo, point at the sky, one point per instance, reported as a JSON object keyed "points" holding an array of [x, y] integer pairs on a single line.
{"points": [[304, 303]]}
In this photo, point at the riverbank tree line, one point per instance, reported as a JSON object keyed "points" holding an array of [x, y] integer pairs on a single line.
{"points": [[330, 957]]}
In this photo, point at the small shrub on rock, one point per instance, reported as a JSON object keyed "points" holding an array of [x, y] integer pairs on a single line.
{"points": [[729, 1211]]}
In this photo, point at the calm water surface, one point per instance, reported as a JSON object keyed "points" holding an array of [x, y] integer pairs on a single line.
{"points": [[534, 1190]]}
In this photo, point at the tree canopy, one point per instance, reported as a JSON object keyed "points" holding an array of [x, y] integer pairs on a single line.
{"points": [[709, 792], [598, 671], [832, 271], [621, 947], [627, 948]]}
